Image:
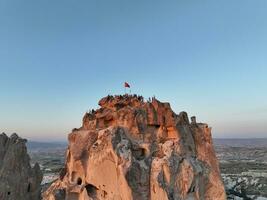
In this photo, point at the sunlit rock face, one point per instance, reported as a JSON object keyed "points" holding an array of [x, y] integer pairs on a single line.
{"points": [[132, 149], [18, 180]]}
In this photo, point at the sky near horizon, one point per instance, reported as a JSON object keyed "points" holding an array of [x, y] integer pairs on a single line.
{"points": [[58, 58]]}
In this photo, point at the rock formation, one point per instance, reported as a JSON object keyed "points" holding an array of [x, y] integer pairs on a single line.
{"points": [[18, 180], [132, 149]]}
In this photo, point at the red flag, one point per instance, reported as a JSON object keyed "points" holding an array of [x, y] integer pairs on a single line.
{"points": [[126, 85]]}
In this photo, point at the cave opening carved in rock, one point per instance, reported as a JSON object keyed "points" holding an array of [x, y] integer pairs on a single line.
{"points": [[139, 153], [29, 187], [91, 190], [79, 181]]}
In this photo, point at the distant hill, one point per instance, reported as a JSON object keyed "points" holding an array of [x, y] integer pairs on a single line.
{"points": [[233, 142], [32, 145], [237, 142]]}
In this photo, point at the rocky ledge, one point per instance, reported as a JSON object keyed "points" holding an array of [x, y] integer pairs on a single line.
{"points": [[18, 180], [135, 149]]}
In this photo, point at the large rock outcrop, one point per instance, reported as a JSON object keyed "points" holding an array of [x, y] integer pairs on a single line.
{"points": [[18, 180], [132, 149]]}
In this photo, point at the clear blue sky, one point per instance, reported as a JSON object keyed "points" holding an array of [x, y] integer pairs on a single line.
{"points": [[58, 57]]}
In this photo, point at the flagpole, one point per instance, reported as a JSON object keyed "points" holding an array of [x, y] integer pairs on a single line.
{"points": [[126, 85]]}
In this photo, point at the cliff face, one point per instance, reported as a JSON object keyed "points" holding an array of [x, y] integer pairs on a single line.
{"points": [[132, 149], [18, 180]]}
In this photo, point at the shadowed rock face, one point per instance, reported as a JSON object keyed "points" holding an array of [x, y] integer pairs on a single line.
{"points": [[131, 149], [18, 180]]}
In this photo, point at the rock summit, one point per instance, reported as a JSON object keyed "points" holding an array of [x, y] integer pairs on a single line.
{"points": [[135, 149]]}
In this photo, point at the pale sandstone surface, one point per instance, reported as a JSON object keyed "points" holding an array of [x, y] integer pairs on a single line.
{"points": [[132, 149], [18, 180]]}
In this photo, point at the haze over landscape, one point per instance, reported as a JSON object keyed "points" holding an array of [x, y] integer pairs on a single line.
{"points": [[58, 58]]}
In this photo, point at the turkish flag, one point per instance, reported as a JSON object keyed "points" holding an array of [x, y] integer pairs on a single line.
{"points": [[126, 85]]}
